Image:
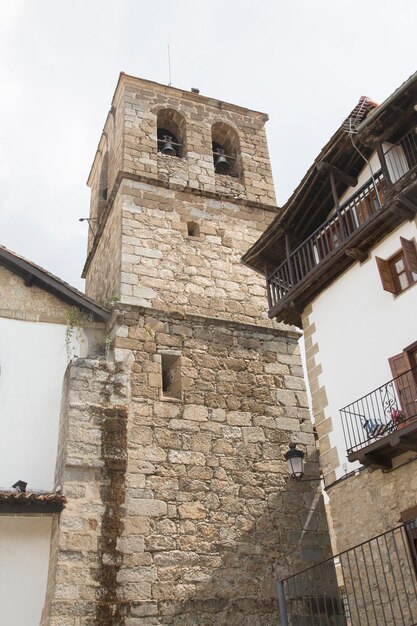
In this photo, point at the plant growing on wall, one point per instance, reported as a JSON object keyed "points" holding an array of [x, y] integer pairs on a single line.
{"points": [[76, 320]]}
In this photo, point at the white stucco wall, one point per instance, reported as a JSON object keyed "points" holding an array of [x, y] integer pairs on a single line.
{"points": [[24, 553], [358, 327], [33, 360]]}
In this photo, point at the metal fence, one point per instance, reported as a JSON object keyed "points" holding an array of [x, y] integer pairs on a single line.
{"points": [[380, 412], [371, 584]]}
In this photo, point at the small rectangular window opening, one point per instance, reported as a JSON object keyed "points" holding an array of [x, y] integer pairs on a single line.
{"points": [[193, 229], [399, 272], [171, 375]]}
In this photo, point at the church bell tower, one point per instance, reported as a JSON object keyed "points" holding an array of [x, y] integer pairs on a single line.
{"points": [[180, 507]]}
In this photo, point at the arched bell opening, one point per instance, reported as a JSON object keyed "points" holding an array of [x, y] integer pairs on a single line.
{"points": [[103, 186], [171, 133], [226, 150]]}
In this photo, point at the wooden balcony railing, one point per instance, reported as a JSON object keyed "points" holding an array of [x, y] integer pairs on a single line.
{"points": [[332, 234]]}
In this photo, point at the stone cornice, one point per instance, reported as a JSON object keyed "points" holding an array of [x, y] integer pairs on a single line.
{"points": [[156, 182], [119, 313]]}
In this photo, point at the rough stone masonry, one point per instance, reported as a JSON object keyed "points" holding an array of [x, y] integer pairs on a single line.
{"points": [[180, 506]]}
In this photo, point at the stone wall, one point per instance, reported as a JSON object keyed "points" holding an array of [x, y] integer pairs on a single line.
{"points": [[164, 268], [386, 495], [143, 101], [32, 304], [241, 206], [181, 511], [91, 467], [103, 281]]}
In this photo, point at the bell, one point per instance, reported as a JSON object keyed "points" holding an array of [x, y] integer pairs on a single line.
{"points": [[221, 165], [168, 148]]}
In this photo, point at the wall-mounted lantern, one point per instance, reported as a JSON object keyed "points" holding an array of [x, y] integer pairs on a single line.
{"points": [[295, 461]]}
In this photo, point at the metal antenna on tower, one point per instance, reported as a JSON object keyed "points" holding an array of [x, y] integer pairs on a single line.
{"points": [[169, 67]]}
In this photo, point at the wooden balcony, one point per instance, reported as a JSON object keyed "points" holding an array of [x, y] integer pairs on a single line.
{"points": [[335, 234], [347, 235]]}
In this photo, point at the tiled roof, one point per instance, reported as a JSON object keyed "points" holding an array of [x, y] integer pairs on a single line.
{"points": [[31, 502], [50, 282]]}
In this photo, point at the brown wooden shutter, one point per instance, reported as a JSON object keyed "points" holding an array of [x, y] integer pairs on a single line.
{"points": [[409, 514], [386, 275], [405, 383], [399, 364], [410, 254]]}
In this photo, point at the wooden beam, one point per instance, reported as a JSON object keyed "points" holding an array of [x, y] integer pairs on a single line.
{"points": [[388, 131], [29, 280], [326, 168], [376, 461], [334, 191], [407, 445], [357, 253], [409, 204], [399, 209]]}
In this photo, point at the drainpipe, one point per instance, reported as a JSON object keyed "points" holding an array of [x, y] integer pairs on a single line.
{"points": [[281, 601]]}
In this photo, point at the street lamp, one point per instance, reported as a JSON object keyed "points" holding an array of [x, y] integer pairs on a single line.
{"points": [[295, 461]]}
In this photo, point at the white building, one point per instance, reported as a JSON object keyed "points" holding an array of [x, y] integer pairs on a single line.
{"points": [[341, 262], [41, 320]]}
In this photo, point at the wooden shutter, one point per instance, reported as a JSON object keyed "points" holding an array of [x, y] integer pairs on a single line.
{"points": [[409, 514], [410, 254], [405, 385], [385, 273], [399, 364]]}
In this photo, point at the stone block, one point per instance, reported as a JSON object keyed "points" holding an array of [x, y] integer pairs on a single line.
{"points": [[146, 508], [186, 457], [192, 510]]}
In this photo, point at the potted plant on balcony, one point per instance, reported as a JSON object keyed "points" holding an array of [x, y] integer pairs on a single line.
{"points": [[399, 419]]}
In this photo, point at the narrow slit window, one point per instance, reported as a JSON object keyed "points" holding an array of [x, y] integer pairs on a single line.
{"points": [[193, 229], [171, 375]]}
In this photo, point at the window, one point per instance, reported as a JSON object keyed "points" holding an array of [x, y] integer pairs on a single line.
{"points": [[226, 150], [171, 133], [193, 229], [171, 375], [400, 271]]}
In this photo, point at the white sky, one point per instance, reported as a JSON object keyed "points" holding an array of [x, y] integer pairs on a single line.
{"points": [[305, 62]]}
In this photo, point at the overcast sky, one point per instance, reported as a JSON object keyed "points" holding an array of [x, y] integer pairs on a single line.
{"points": [[305, 62]]}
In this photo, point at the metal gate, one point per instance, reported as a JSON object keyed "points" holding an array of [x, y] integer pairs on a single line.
{"points": [[371, 584]]}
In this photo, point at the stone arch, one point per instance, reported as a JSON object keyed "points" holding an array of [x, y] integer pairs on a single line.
{"points": [[171, 123], [225, 142], [103, 186]]}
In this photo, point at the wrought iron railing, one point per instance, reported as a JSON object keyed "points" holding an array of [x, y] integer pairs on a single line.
{"points": [[371, 584], [333, 233], [386, 409], [402, 156]]}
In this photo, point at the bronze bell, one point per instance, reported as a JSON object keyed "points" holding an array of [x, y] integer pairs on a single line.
{"points": [[168, 148], [221, 165]]}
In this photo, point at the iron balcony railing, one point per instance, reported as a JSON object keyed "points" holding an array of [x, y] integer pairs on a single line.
{"points": [[333, 233], [371, 584], [389, 407], [402, 156]]}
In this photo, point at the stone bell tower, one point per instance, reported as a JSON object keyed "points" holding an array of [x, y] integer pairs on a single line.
{"points": [[180, 508], [181, 184]]}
